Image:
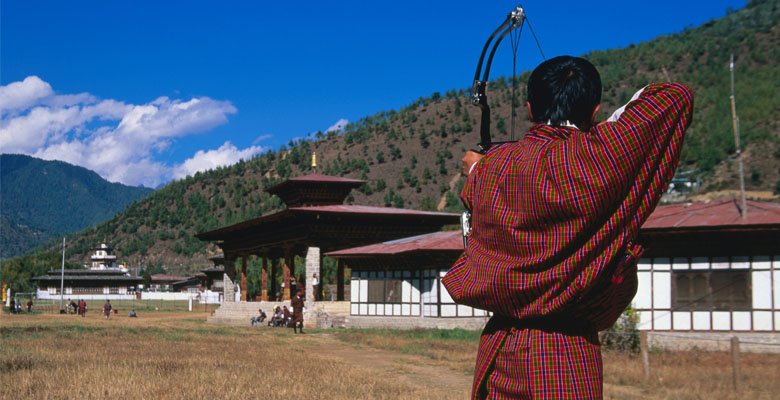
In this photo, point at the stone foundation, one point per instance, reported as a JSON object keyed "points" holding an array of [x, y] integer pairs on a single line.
{"points": [[474, 323]]}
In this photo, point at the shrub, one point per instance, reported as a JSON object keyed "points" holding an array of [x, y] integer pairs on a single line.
{"points": [[624, 335]]}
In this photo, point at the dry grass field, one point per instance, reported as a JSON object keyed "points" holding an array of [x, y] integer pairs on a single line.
{"points": [[177, 355]]}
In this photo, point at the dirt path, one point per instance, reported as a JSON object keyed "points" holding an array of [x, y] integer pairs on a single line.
{"points": [[416, 371], [443, 199]]}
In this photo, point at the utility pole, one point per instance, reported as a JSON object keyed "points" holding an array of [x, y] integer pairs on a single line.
{"points": [[62, 277], [735, 123]]}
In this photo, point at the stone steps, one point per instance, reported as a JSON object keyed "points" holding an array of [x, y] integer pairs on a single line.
{"points": [[318, 314]]}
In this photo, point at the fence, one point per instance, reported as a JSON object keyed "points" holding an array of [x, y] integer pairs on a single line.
{"points": [[734, 343], [124, 306]]}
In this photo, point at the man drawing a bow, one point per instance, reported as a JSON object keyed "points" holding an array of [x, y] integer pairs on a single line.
{"points": [[555, 217]]}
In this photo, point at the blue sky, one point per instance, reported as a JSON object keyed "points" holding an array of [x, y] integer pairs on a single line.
{"points": [[147, 91]]}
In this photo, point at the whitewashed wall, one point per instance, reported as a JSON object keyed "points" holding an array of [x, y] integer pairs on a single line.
{"points": [[45, 294], [168, 295], [653, 299]]}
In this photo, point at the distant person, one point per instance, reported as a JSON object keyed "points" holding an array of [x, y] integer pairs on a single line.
{"points": [[18, 306], [82, 308], [315, 285], [297, 314], [286, 315], [293, 286], [29, 305], [72, 307], [107, 309], [260, 317], [132, 314], [278, 317], [12, 308]]}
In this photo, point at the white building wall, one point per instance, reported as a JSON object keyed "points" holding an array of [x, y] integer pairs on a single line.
{"points": [[654, 297], [421, 293]]}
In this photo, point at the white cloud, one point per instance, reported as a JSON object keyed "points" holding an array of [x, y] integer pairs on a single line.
{"points": [[119, 141], [226, 154], [20, 95], [338, 126]]}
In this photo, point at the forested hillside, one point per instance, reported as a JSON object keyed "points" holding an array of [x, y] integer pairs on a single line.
{"points": [[410, 157], [40, 200]]}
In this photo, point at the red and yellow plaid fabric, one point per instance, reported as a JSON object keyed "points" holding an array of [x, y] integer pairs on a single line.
{"points": [[554, 217]]}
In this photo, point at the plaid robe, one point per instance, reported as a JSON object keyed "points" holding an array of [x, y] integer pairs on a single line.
{"points": [[552, 252]]}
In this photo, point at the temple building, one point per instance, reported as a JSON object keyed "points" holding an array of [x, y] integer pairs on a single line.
{"points": [[104, 279], [315, 221]]}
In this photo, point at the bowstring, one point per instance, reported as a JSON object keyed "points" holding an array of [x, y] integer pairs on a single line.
{"points": [[515, 41], [534, 35]]}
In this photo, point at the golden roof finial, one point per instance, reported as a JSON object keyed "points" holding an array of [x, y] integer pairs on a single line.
{"points": [[314, 159]]}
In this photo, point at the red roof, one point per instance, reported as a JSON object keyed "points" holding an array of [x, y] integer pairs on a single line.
{"points": [[325, 178], [163, 277], [449, 240], [355, 209], [314, 189], [720, 213]]}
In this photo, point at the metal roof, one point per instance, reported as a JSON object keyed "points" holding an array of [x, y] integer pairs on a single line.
{"points": [[368, 210], [316, 178], [715, 214], [290, 214], [446, 241], [87, 278], [325, 178], [163, 277], [80, 272]]}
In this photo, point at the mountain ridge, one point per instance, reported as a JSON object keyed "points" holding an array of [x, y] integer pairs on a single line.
{"points": [[44, 199]]}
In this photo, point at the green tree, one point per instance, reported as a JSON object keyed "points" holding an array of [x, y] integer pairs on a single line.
{"points": [[424, 140]]}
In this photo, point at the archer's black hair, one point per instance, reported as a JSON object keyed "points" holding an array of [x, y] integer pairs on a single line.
{"points": [[564, 89]]}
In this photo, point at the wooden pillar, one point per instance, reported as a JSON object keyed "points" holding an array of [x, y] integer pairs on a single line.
{"points": [[288, 260], [340, 281], [244, 294], [264, 283], [643, 351], [274, 289]]}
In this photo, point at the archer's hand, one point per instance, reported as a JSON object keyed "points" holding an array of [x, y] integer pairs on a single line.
{"points": [[469, 159]]}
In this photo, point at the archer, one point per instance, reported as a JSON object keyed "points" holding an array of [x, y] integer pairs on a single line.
{"points": [[555, 217]]}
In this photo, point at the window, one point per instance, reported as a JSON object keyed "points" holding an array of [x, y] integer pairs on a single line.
{"points": [[384, 290], [711, 290]]}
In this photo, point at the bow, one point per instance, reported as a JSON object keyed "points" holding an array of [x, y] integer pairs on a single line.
{"points": [[514, 20]]}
